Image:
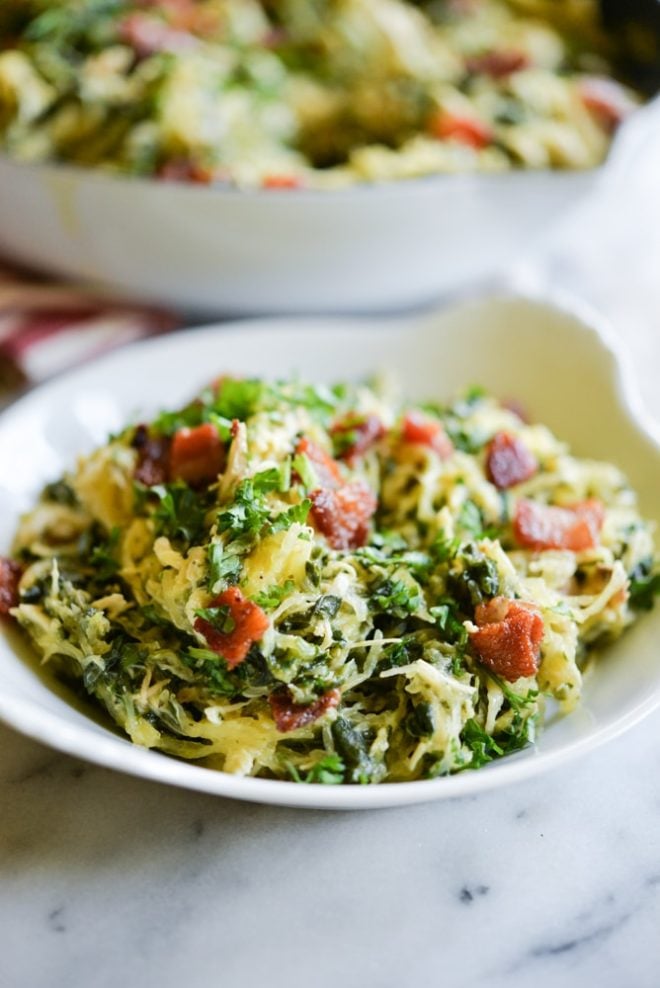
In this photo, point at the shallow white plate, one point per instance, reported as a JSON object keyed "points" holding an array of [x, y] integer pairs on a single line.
{"points": [[559, 365]]}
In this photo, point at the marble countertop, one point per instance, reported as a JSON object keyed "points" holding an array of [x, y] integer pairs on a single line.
{"points": [[109, 881]]}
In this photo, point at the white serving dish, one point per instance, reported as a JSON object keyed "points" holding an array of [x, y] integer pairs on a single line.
{"points": [[370, 248], [559, 364]]}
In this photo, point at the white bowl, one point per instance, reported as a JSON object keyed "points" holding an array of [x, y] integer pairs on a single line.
{"points": [[558, 363], [368, 248]]}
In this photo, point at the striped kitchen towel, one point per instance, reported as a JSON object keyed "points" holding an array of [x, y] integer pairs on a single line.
{"points": [[47, 327]]}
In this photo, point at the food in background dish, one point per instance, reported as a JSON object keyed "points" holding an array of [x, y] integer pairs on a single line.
{"points": [[329, 584], [293, 93]]}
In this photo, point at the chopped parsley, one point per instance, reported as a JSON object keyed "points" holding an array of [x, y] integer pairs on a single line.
{"points": [[60, 492], [103, 556], [352, 746], [180, 512], [219, 618], [644, 586], [327, 606], [273, 596], [484, 748], [305, 470], [446, 616], [329, 771], [248, 512], [396, 598], [420, 722], [238, 398], [224, 567], [476, 580]]}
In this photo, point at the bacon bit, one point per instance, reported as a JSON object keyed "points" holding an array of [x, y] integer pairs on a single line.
{"points": [[340, 511], [343, 515], [289, 716], [508, 461], [184, 170], [281, 182], [509, 638], [147, 35], [498, 64], [362, 431], [10, 576], [492, 611], [420, 430], [153, 457], [327, 470], [196, 455], [185, 15], [250, 624], [606, 100], [466, 130], [541, 526]]}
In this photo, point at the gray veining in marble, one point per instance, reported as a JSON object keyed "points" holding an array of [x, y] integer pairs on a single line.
{"points": [[107, 880]]}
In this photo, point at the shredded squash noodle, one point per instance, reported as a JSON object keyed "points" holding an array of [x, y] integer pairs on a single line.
{"points": [[321, 93], [329, 584]]}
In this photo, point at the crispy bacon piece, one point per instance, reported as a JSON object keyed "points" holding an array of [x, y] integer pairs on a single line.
{"points": [[193, 455], [508, 461], [498, 64], [606, 100], [340, 511], [185, 170], [185, 15], [419, 429], [250, 624], [327, 470], [10, 576], [541, 526], [360, 431], [343, 515], [147, 34], [509, 638], [289, 716], [196, 455], [281, 182], [493, 611], [153, 457], [466, 130]]}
